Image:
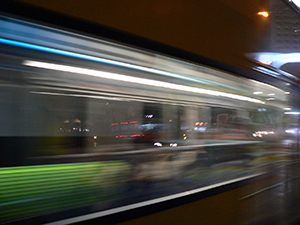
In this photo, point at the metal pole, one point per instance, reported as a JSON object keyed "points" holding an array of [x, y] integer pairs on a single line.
{"points": [[298, 136]]}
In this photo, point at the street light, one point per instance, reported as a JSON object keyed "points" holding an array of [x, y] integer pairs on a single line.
{"points": [[263, 13]]}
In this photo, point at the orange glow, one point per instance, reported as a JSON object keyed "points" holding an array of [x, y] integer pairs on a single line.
{"points": [[264, 14], [266, 62]]}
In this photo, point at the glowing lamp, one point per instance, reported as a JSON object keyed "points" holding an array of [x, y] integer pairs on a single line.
{"points": [[264, 14]]}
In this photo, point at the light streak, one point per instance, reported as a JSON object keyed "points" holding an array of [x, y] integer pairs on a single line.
{"points": [[135, 80]]}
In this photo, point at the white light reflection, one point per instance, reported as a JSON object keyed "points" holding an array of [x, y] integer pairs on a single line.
{"points": [[135, 80], [290, 131], [158, 144], [296, 2], [292, 113], [173, 145]]}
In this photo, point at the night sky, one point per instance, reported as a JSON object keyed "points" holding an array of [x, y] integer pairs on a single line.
{"points": [[219, 29]]}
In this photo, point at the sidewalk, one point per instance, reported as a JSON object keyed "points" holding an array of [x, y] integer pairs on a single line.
{"points": [[277, 200]]}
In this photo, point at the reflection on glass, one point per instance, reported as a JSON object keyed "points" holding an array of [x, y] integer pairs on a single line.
{"points": [[87, 151]]}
